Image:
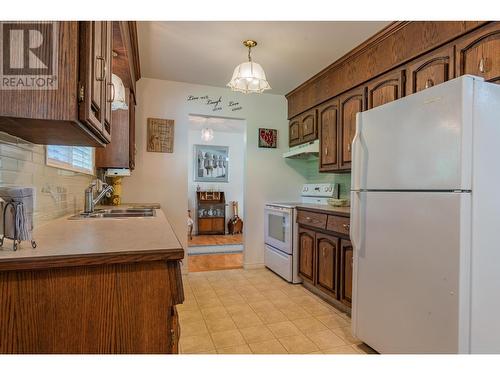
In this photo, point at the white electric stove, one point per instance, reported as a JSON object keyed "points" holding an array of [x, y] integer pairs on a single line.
{"points": [[281, 231]]}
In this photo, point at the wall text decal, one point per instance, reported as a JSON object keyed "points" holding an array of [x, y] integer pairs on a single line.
{"points": [[216, 104]]}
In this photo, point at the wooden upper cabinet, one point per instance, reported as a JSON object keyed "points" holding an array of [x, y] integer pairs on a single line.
{"points": [[346, 271], [479, 53], [303, 128], [117, 154], [386, 89], [132, 147], [308, 129], [351, 103], [327, 262], [94, 72], [109, 88], [293, 132], [328, 117], [306, 253], [430, 70]]}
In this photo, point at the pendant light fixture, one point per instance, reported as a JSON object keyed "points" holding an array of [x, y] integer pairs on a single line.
{"points": [[207, 134], [249, 77]]}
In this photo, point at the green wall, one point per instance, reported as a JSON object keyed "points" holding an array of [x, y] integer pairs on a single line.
{"points": [[309, 169]]}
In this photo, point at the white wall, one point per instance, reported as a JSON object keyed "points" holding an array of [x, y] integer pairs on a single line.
{"points": [[162, 178], [234, 188]]}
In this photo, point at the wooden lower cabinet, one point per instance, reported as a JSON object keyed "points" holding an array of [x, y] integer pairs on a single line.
{"points": [[346, 271], [306, 253], [325, 260], [327, 263], [174, 333], [109, 308], [214, 225]]}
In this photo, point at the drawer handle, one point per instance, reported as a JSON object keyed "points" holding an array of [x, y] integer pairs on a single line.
{"points": [[308, 218], [348, 147], [429, 83], [326, 151], [482, 65], [346, 226]]}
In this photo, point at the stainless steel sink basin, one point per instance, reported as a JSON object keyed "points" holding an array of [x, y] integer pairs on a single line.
{"points": [[115, 213]]}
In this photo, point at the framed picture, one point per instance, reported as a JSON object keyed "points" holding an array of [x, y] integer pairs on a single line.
{"points": [[160, 135], [211, 163], [268, 138]]}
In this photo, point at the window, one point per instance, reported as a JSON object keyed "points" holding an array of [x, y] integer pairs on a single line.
{"points": [[73, 158]]}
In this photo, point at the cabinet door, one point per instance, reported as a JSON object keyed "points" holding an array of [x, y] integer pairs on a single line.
{"points": [[328, 115], [116, 153], [346, 254], [93, 75], [174, 331], [432, 69], [132, 149], [327, 263], [308, 130], [350, 103], [479, 53], [386, 89], [306, 253], [293, 132], [109, 89]]}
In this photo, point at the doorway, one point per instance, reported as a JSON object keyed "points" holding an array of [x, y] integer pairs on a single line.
{"points": [[216, 207]]}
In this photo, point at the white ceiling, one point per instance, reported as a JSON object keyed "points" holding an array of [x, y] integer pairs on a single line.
{"points": [[207, 52]]}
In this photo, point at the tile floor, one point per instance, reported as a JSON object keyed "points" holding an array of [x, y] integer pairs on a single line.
{"points": [[254, 311]]}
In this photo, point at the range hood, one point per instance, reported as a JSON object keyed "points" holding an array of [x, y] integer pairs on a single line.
{"points": [[306, 151]]}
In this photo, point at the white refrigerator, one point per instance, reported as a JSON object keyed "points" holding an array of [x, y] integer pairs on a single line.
{"points": [[425, 221]]}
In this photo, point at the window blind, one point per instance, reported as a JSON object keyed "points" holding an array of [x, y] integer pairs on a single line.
{"points": [[75, 158]]}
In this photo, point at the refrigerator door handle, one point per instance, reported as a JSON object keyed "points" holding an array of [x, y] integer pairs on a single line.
{"points": [[356, 227], [358, 155]]}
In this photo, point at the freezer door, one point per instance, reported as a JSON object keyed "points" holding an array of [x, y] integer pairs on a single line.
{"points": [[420, 142], [411, 271]]}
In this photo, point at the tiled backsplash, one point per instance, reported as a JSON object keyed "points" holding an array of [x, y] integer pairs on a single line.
{"points": [[57, 192]]}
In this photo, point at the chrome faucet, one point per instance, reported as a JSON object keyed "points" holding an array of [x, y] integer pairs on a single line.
{"points": [[104, 190]]}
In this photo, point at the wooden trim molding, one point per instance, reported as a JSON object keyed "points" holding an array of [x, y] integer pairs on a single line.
{"points": [[394, 45]]}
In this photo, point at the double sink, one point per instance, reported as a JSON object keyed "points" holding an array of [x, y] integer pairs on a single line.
{"points": [[115, 213]]}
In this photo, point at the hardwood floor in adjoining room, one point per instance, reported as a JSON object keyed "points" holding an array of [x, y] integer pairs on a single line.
{"points": [[216, 240], [214, 262], [254, 311]]}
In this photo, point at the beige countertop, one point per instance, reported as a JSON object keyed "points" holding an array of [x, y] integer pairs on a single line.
{"points": [[342, 211], [64, 242]]}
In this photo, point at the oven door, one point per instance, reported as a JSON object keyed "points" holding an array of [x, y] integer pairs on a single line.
{"points": [[278, 228]]}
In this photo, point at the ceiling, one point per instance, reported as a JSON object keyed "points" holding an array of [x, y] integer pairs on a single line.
{"points": [[206, 53]]}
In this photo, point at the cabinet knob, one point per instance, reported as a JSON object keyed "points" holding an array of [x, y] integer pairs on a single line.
{"points": [[346, 226], [482, 65], [308, 218], [429, 83]]}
